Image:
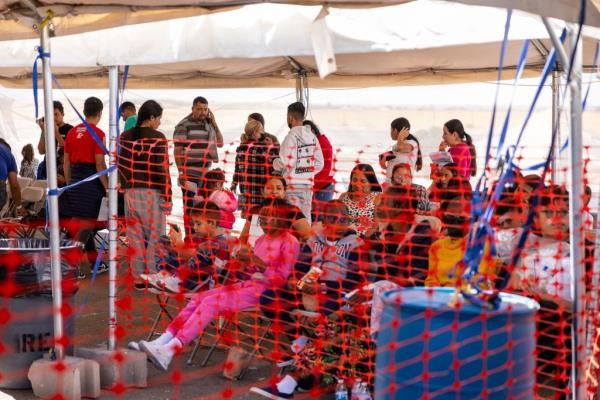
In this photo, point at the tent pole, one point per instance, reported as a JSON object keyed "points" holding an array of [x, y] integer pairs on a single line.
{"points": [[556, 123], [577, 249], [53, 220], [560, 51], [300, 86], [113, 91]]}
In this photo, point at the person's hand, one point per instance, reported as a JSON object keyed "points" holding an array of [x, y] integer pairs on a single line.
{"points": [[403, 134], [40, 123], [244, 254], [175, 234], [61, 181], [311, 288], [233, 187], [443, 146], [258, 276], [360, 297], [166, 207], [210, 117]]}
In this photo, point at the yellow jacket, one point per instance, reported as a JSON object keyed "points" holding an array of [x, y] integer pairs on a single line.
{"points": [[443, 256]]}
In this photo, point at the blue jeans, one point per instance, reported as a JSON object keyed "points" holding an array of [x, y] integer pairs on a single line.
{"points": [[320, 198], [301, 196]]}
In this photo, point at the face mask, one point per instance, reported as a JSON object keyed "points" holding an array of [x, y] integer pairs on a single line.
{"points": [[456, 226]]}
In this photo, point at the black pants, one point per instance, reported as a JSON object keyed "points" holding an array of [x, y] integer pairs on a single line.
{"points": [[553, 366]]}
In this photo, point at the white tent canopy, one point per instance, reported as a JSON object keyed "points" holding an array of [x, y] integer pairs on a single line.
{"points": [[76, 16], [420, 42]]}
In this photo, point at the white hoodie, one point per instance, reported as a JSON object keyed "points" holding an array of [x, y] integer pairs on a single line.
{"points": [[300, 157]]}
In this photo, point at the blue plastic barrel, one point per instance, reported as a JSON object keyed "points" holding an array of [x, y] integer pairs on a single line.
{"points": [[429, 350]]}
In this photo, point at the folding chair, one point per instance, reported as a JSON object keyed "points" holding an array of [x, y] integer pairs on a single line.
{"points": [[40, 183], [222, 324], [35, 196], [162, 298], [24, 182]]}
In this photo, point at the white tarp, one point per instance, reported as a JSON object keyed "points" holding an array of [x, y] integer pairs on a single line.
{"points": [[76, 16], [419, 42]]}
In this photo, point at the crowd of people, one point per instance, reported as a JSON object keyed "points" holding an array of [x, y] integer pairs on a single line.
{"points": [[302, 245]]}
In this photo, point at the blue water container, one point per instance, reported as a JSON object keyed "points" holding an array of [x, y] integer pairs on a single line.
{"points": [[427, 349]]}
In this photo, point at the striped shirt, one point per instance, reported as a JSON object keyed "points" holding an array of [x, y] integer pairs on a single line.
{"points": [[198, 139]]}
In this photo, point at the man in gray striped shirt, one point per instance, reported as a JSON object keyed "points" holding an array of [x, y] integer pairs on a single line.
{"points": [[196, 139]]}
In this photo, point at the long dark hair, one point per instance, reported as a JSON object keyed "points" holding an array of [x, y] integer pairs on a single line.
{"points": [[455, 126], [401, 123], [313, 127], [369, 173], [149, 109]]}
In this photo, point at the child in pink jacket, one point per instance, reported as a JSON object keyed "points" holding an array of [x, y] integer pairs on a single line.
{"points": [[213, 190], [269, 264]]}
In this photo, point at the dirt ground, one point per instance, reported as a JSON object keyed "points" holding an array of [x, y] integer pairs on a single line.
{"points": [[136, 311]]}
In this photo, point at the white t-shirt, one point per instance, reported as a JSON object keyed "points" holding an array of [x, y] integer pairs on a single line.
{"points": [[255, 230], [544, 267], [403, 158]]}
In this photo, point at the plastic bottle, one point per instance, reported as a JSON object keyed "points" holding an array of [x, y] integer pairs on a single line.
{"points": [[341, 392], [364, 392], [355, 393]]}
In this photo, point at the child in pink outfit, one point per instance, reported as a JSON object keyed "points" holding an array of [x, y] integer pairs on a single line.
{"points": [[228, 204], [213, 190], [270, 264]]}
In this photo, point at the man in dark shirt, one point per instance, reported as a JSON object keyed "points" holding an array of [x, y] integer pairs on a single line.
{"points": [[60, 134]]}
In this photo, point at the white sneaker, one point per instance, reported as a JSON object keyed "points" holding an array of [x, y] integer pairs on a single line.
{"points": [[155, 280], [171, 284], [158, 355], [133, 346]]}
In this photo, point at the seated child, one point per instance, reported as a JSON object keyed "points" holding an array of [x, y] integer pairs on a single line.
{"points": [[336, 252], [274, 190], [544, 273], [273, 259], [400, 245], [402, 177], [446, 254], [194, 264], [213, 189]]}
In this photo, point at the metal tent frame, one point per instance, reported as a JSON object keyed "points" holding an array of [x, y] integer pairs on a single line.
{"points": [[575, 194]]}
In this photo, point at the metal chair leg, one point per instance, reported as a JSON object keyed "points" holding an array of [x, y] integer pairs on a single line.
{"points": [[215, 343], [159, 316], [256, 347], [191, 357]]}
